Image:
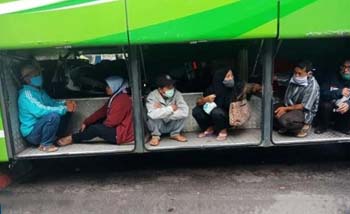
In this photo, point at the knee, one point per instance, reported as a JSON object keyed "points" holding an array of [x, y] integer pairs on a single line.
{"points": [[197, 111], [328, 106], [285, 122], [53, 117], [218, 113]]}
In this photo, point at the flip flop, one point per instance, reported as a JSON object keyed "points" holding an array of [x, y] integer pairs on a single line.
{"points": [[205, 134], [221, 137], [50, 148], [155, 141]]}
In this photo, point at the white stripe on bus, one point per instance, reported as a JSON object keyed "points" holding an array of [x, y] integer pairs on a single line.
{"points": [[16, 6], [2, 134]]}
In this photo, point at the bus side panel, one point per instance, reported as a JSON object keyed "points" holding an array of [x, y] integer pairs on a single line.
{"points": [[164, 21], [3, 148], [314, 18], [37, 24]]}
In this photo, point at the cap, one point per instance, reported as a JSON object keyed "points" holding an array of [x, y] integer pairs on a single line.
{"points": [[165, 80]]}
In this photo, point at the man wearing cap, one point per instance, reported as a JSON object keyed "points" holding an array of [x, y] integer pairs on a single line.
{"points": [[39, 114], [166, 111]]}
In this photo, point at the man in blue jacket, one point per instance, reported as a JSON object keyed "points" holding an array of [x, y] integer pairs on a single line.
{"points": [[39, 114], [335, 101]]}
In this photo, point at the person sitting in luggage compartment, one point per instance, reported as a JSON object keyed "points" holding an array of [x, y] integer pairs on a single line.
{"points": [[166, 110], [212, 110], [113, 122], [41, 117], [335, 101], [301, 101]]}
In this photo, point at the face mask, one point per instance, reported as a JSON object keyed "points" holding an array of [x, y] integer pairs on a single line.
{"points": [[37, 81], [300, 80], [208, 107], [169, 93], [229, 83], [345, 76]]}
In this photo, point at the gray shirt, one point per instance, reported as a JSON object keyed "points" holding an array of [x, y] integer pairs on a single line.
{"points": [[166, 112], [308, 96]]}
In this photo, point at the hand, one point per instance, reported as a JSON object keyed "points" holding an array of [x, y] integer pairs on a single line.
{"points": [[257, 88], [82, 128], [280, 112], [73, 103], [210, 98], [71, 107], [343, 108], [346, 92], [157, 105], [174, 107]]}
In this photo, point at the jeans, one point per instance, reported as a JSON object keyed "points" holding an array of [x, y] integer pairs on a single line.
{"points": [[46, 130], [159, 126], [96, 130], [218, 118]]}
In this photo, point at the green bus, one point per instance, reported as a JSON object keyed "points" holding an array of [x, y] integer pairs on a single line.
{"points": [[79, 42]]}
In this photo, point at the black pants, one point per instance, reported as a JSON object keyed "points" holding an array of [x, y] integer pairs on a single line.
{"points": [[96, 130], [326, 115], [292, 120], [218, 118], [63, 128]]}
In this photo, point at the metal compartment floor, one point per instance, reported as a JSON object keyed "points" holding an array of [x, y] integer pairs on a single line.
{"points": [[328, 136], [242, 137], [77, 149]]}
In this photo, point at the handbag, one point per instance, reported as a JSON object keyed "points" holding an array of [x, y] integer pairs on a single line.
{"points": [[239, 112]]}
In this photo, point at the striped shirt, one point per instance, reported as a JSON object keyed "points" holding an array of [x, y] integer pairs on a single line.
{"points": [[308, 96]]}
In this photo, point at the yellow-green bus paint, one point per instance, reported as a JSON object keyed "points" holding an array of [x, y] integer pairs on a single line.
{"points": [[3, 149], [314, 18]]}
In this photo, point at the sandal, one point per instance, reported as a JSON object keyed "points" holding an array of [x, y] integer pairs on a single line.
{"points": [[155, 140], [304, 131], [221, 136], [65, 141], [49, 148], [179, 138], [205, 134]]}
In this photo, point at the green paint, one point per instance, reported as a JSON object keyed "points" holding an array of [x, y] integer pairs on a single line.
{"points": [[57, 5], [64, 27], [232, 21], [142, 15], [315, 19], [3, 148]]}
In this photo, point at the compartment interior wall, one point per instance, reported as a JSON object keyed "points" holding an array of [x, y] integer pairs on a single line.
{"points": [[11, 95]]}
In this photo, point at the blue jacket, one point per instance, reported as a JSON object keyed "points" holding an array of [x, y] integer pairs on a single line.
{"points": [[34, 103], [332, 88]]}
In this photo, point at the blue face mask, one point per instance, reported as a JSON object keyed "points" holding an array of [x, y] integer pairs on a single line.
{"points": [[37, 81], [169, 93], [345, 76], [208, 107]]}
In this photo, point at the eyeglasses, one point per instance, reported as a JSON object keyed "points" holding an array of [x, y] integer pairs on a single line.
{"points": [[346, 66]]}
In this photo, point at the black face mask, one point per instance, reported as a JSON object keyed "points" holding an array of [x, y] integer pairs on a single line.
{"points": [[229, 83]]}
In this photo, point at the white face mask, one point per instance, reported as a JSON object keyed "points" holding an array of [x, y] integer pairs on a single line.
{"points": [[208, 107], [299, 80]]}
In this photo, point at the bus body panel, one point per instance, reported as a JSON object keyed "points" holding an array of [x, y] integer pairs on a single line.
{"points": [[314, 18], [164, 21], [52, 23], [3, 148]]}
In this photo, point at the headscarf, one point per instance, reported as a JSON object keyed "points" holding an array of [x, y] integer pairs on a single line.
{"points": [[118, 85], [224, 95]]}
